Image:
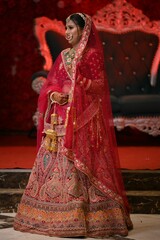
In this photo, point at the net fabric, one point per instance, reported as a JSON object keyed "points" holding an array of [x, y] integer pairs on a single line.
{"points": [[57, 81], [90, 139]]}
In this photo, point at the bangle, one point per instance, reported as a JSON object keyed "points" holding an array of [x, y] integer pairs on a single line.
{"points": [[54, 101], [86, 83], [52, 98]]}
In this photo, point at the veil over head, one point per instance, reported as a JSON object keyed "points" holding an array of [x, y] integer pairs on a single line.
{"points": [[90, 140]]}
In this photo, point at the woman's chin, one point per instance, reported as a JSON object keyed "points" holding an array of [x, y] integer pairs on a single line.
{"points": [[70, 42]]}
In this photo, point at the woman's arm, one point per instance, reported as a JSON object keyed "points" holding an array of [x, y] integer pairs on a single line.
{"points": [[91, 75]]}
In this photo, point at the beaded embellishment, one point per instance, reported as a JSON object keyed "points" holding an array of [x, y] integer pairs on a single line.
{"points": [[69, 56]]}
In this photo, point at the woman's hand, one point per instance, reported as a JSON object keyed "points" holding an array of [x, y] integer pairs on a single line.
{"points": [[84, 82], [60, 98]]}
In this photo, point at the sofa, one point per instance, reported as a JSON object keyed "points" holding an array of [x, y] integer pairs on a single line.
{"points": [[132, 59]]}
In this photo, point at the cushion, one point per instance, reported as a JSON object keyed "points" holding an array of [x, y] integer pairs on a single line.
{"points": [[140, 104]]}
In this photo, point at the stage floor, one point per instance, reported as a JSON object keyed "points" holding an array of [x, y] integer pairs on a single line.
{"points": [[20, 152], [146, 227]]}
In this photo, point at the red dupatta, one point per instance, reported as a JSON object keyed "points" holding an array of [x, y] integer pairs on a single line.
{"points": [[90, 139]]}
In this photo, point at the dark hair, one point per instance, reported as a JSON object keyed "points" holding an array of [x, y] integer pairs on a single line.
{"points": [[78, 20]]}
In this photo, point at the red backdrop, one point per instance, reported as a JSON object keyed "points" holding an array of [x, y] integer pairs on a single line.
{"points": [[19, 56]]}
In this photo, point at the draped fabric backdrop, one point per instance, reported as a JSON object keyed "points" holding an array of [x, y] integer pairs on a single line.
{"points": [[19, 55]]}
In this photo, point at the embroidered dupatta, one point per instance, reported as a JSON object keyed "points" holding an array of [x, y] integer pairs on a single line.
{"points": [[90, 139]]}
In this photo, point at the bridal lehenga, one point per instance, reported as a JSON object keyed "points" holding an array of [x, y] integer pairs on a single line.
{"points": [[75, 187]]}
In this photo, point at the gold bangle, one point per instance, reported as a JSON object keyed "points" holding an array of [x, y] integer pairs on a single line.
{"points": [[51, 98], [88, 84], [54, 101]]}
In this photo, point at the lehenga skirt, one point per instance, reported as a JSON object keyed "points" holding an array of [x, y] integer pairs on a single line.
{"points": [[59, 200]]}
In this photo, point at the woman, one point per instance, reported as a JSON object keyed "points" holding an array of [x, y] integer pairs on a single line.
{"points": [[75, 188]]}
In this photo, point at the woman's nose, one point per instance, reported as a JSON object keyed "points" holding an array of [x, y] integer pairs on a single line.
{"points": [[67, 31]]}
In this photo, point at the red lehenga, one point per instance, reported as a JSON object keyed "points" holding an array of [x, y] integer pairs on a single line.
{"points": [[76, 190]]}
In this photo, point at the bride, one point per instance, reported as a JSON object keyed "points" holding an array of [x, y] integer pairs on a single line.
{"points": [[75, 187]]}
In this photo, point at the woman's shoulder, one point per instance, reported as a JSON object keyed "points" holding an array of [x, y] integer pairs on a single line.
{"points": [[65, 50], [59, 57], [91, 53]]}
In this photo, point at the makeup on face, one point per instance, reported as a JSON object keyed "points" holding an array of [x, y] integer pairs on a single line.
{"points": [[73, 33]]}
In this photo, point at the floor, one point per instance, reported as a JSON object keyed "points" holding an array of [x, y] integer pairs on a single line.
{"points": [[146, 227], [136, 151]]}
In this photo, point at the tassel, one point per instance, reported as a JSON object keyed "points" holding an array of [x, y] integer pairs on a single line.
{"points": [[51, 139], [54, 119]]}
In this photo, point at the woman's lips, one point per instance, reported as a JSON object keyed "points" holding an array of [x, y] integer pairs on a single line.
{"points": [[69, 37]]}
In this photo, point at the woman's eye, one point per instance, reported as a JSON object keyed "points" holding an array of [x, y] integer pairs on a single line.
{"points": [[69, 27]]}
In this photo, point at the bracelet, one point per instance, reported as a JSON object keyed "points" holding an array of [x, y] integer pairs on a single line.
{"points": [[54, 101], [86, 83], [51, 98]]}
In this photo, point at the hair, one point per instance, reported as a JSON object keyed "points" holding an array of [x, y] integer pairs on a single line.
{"points": [[78, 19]]}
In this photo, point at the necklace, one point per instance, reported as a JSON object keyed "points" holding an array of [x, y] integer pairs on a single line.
{"points": [[69, 56]]}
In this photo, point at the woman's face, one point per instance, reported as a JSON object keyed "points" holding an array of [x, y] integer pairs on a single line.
{"points": [[73, 33]]}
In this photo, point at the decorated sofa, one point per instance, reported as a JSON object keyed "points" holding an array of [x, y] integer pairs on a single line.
{"points": [[132, 56]]}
